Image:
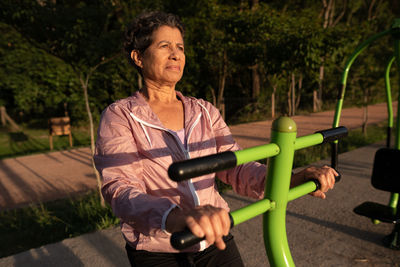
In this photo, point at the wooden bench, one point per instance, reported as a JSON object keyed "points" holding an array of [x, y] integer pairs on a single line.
{"points": [[59, 126]]}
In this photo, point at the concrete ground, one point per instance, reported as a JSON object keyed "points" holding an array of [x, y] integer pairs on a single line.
{"points": [[320, 232], [327, 232]]}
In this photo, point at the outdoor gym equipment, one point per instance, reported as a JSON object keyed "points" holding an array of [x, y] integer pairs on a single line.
{"points": [[385, 174], [277, 193]]}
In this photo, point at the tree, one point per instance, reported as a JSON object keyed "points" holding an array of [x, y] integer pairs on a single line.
{"points": [[32, 82], [207, 39], [81, 34]]}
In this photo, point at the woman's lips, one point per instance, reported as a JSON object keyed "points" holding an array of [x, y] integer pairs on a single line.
{"points": [[174, 68]]}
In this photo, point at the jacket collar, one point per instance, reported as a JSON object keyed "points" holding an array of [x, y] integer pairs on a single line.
{"points": [[141, 109]]}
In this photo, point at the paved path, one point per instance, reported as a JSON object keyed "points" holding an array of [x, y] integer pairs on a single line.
{"points": [[258, 133], [55, 175], [320, 232]]}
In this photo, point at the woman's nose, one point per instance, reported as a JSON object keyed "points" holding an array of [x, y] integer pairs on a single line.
{"points": [[175, 53]]}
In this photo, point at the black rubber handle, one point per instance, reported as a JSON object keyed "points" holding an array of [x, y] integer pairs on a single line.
{"points": [[185, 238], [333, 134], [318, 184], [187, 169]]}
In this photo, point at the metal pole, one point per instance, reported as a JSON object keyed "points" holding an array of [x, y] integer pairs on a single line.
{"points": [[349, 62], [283, 134], [389, 102], [339, 104], [394, 197]]}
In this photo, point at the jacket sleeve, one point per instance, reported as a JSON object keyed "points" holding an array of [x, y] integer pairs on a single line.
{"points": [[116, 158], [246, 179]]}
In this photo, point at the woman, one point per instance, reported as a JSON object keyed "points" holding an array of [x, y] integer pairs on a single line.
{"points": [[140, 136]]}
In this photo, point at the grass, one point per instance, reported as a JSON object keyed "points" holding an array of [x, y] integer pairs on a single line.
{"points": [[30, 141], [37, 225]]}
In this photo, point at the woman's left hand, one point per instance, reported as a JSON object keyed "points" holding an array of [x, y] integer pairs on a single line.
{"points": [[325, 175]]}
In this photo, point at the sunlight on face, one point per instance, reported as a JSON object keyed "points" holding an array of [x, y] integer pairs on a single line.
{"points": [[164, 60]]}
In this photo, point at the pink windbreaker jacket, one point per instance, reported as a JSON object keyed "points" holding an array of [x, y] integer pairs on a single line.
{"points": [[133, 153]]}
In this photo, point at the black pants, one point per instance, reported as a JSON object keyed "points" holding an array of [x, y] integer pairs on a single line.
{"points": [[212, 256]]}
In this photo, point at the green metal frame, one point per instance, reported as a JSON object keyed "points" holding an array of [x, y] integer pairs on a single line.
{"points": [[281, 152], [277, 193], [394, 31]]}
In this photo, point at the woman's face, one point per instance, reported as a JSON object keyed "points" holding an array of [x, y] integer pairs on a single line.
{"points": [[164, 60]]}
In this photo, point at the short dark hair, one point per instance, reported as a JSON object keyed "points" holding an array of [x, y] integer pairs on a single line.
{"points": [[138, 35]]}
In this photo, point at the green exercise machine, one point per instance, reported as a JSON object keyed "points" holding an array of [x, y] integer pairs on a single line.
{"points": [[277, 193], [385, 175]]}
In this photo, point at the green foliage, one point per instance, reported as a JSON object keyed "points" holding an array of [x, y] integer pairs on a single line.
{"points": [[32, 82], [50, 52], [37, 225], [79, 32], [281, 37]]}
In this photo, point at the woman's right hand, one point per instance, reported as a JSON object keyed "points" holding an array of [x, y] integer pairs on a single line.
{"points": [[204, 221]]}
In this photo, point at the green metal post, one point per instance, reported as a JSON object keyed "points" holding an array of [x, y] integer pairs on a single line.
{"points": [[396, 35], [251, 211], [276, 189], [339, 104], [301, 190], [389, 92], [256, 153], [349, 62], [394, 198], [308, 140], [389, 101]]}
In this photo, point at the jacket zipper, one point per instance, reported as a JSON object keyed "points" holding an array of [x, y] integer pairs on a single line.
{"points": [[190, 181], [196, 198]]}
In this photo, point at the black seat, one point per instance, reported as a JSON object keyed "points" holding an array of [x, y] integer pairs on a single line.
{"points": [[386, 177], [378, 211], [385, 172]]}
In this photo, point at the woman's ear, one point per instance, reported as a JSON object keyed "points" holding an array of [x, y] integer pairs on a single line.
{"points": [[135, 55]]}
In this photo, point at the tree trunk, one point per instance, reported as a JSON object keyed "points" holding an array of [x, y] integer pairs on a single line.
{"points": [[222, 80], [84, 84], [6, 118], [300, 87], [370, 10], [254, 4], [320, 85], [329, 21], [365, 114], [3, 115], [214, 98], [293, 94], [315, 101], [256, 81], [289, 103], [273, 102], [254, 69]]}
